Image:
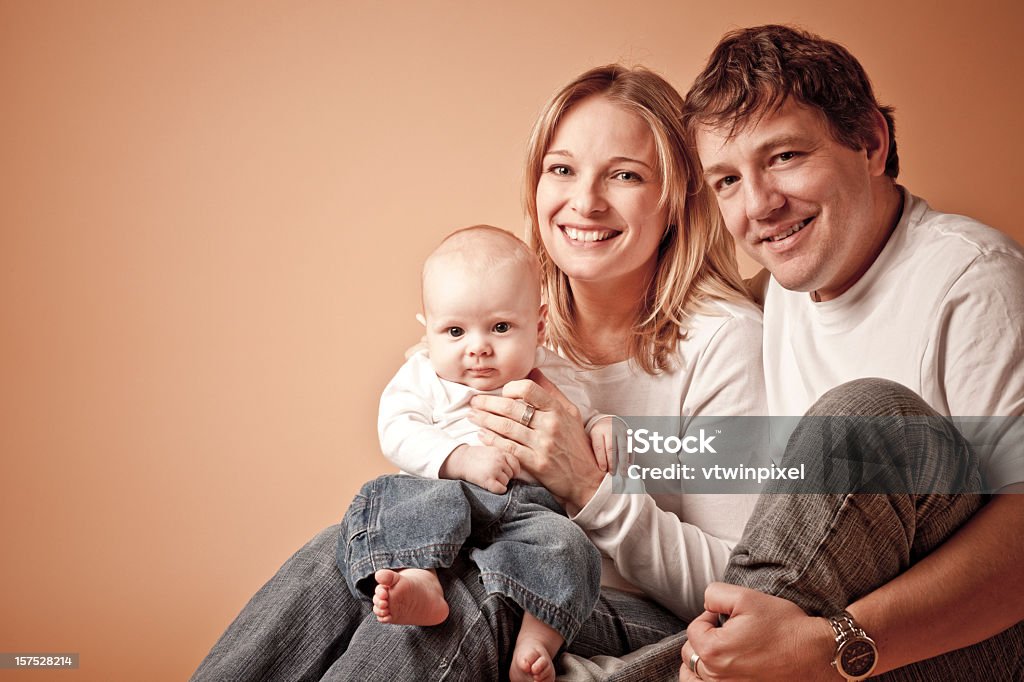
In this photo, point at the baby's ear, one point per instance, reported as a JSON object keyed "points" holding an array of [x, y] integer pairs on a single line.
{"points": [[542, 317]]}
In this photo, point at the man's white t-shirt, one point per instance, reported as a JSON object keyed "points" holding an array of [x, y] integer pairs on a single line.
{"points": [[940, 311]]}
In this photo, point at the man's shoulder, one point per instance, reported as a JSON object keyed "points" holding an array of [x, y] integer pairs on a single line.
{"points": [[956, 237]]}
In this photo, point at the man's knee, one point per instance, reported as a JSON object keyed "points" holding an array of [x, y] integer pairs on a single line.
{"points": [[871, 396]]}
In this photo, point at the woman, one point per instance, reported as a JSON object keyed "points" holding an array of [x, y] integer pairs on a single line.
{"points": [[643, 294]]}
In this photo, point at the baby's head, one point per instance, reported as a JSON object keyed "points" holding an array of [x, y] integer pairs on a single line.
{"points": [[481, 301]]}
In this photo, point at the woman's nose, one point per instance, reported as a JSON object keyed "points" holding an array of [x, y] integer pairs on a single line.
{"points": [[588, 197]]}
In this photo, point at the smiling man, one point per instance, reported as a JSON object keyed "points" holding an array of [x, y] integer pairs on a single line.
{"points": [[863, 280]]}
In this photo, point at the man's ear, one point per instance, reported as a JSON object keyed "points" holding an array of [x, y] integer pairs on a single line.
{"points": [[877, 146], [542, 323]]}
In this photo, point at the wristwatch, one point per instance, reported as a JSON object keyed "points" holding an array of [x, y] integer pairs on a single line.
{"points": [[856, 653]]}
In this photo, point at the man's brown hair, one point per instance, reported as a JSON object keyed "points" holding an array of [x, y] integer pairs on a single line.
{"points": [[753, 71]]}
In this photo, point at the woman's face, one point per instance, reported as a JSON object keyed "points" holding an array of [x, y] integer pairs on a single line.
{"points": [[598, 194]]}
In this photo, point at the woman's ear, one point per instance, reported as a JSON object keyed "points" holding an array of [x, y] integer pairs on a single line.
{"points": [[542, 318]]}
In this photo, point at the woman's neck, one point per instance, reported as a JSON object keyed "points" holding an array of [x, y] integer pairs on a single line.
{"points": [[606, 313]]}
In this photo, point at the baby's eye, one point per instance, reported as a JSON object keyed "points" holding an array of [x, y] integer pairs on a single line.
{"points": [[502, 327], [456, 332]]}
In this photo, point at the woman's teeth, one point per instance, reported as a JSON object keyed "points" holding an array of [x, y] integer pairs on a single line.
{"points": [[588, 235]]}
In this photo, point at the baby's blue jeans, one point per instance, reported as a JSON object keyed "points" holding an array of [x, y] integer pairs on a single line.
{"points": [[521, 541]]}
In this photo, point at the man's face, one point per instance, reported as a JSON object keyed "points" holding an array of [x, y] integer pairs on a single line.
{"points": [[800, 203]]}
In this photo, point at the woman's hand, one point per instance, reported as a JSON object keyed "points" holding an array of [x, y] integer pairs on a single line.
{"points": [[553, 447], [765, 638]]}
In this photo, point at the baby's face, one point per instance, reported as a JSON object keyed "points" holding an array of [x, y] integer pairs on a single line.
{"points": [[482, 331]]}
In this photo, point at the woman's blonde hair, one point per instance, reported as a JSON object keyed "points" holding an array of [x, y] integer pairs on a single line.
{"points": [[696, 258]]}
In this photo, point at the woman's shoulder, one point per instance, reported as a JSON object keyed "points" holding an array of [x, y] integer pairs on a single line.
{"points": [[716, 314]]}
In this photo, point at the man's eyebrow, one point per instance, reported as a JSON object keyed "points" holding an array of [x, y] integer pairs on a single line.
{"points": [[614, 159], [783, 140]]}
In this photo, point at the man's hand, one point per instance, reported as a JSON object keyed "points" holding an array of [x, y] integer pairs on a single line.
{"points": [[486, 466], [765, 638]]}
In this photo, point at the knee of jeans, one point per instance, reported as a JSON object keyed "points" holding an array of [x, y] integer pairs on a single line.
{"points": [[578, 549], [871, 397]]}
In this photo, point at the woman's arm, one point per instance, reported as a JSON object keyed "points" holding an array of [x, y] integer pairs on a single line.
{"points": [[670, 560]]}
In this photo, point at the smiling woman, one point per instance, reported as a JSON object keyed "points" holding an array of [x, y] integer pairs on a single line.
{"points": [[644, 296], [599, 207]]}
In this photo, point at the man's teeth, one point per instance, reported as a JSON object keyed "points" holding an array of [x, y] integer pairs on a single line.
{"points": [[588, 235], [793, 230]]}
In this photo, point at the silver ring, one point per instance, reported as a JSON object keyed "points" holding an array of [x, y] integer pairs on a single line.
{"points": [[527, 414], [694, 660]]}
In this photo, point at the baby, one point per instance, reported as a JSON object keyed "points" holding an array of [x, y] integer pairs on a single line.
{"points": [[484, 328]]}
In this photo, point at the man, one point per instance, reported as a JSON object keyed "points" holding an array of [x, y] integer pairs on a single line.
{"points": [[865, 281]]}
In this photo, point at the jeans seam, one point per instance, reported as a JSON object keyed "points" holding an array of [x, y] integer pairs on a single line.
{"points": [[510, 503], [458, 650], [564, 621]]}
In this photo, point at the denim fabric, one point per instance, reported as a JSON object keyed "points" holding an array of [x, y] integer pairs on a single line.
{"points": [[305, 624], [523, 544], [824, 551]]}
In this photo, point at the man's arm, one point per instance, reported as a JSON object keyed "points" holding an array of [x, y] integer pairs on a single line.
{"points": [[970, 588]]}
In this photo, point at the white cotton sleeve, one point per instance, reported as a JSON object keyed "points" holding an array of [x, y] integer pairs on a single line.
{"points": [[409, 438], [669, 559]]}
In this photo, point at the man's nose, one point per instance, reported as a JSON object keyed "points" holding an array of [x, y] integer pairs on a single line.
{"points": [[761, 197]]}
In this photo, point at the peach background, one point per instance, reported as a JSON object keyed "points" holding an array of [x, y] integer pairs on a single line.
{"points": [[212, 219]]}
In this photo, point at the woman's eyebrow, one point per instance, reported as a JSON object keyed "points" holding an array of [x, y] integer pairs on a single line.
{"points": [[614, 159], [630, 159]]}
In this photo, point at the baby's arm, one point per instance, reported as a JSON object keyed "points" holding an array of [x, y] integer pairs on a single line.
{"points": [[486, 466], [410, 439]]}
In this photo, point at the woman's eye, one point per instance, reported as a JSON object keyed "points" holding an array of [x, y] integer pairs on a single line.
{"points": [[560, 170], [628, 176], [502, 327], [726, 182], [456, 332]]}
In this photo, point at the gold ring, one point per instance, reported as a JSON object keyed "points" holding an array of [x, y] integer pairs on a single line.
{"points": [[527, 414]]}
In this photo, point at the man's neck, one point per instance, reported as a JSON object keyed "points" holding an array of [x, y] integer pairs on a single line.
{"points": [[890, 211]]}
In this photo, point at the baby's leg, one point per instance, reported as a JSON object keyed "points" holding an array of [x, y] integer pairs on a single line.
{"points": [[532, 660], [409, 596]]}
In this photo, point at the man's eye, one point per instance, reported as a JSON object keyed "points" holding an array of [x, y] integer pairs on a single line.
{"points": [[456, 332], [787, 156], [502, 327]]}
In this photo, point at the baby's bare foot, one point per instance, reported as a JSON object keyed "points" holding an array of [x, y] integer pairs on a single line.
{"points": [[536, 645], [410, 596]]}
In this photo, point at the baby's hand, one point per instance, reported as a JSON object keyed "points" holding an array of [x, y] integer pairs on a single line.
{"points": [[602, 439], [486, 466]]}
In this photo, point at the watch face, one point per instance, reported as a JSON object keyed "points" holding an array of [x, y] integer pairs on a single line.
{"points": [[857, 658]]}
